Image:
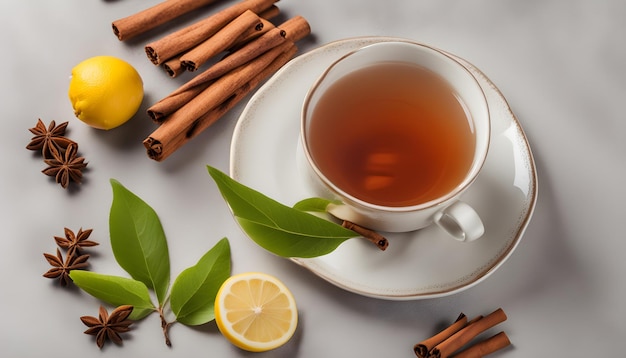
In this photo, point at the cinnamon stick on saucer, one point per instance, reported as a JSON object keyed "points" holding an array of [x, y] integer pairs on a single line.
{"points": [[372, 236], [146, 20], [165, 140], [186, 38]]}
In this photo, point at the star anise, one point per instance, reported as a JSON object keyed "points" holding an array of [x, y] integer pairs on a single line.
{"points": [[48, 140], [108, 326], [61, 268], [73, 242], [66, 167]]}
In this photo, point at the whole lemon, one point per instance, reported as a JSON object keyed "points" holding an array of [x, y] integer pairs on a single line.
{"points": [[105, 91]]}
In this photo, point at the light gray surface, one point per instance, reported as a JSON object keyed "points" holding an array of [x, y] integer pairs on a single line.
{"points": [[560, 65]]}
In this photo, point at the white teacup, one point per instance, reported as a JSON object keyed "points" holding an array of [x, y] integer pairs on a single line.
{"points": [[390, 166]]}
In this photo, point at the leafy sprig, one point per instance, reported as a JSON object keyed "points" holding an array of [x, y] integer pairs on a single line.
{"points": [[140, 247], [280, 229]]}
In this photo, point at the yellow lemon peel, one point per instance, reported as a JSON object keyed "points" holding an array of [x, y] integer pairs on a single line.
{"points": [[105, 91]]}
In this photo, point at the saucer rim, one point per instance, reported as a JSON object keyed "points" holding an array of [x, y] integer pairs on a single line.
{"points": [[530, 199]]}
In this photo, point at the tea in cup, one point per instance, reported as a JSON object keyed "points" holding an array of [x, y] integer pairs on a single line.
{"points": [[397, 131]]}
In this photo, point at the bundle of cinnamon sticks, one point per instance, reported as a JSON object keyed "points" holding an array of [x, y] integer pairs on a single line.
{"points": [[253, 48], [450, 342]]}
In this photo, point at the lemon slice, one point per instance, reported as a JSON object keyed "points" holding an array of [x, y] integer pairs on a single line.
{"points": [[255, 311]]}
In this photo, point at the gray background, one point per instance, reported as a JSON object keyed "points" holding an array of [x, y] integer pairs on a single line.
{"points": [[559, 63]]}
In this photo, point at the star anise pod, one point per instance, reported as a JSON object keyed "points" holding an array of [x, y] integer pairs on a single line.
{"points": [[48, 140], [108, 326], [61, 268], [66, 167], [73, 242]]}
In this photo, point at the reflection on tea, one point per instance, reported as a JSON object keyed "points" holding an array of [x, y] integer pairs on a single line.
{"points": [[392, 134]]}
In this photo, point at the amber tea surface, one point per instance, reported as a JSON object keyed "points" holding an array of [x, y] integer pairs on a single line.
{"points": [[392, 134]]}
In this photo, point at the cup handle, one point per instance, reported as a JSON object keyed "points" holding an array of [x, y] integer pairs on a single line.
{"points": [[460, 221]]}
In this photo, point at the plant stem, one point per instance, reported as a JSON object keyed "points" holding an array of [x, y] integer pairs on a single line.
{"points": [[165, 326]]}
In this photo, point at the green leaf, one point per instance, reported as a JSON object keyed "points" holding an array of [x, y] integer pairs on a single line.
{"points": [[317, 205], [115, 290], [276, 227], [290, 244], [138, 240], [194, 290]]}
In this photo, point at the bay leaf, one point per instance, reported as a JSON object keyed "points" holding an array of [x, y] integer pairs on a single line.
{"points": [[278, 228], [138, 240], [317, 205], [116, 291], [193, 293]]}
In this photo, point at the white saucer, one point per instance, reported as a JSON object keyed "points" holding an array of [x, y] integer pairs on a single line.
{"points": [[421, 264]]}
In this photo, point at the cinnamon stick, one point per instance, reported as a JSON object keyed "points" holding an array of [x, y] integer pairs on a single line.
{"points": [[186, 38], [173, 67], [377, 239], [423, 348], [270, 13], [483, 348], [251, 34], [293, 29], [148, 19], [296, 28], [221, 89], [163, 142], [189, 90], [222, 40], [466, 334]]}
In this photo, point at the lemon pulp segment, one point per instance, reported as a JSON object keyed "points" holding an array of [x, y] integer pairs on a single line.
{"points": [[256, 311]]}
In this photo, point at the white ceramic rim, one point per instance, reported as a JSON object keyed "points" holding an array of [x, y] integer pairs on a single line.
{"points": [[476, 277], [471, 175]]}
